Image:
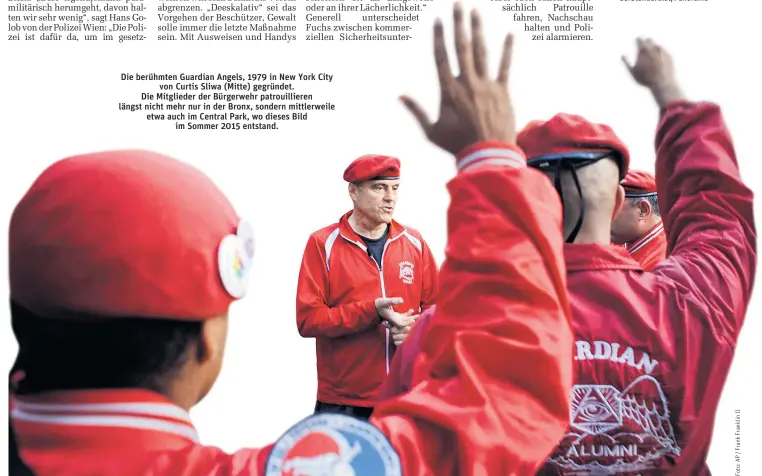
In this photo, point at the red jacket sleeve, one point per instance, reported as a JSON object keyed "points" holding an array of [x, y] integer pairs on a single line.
{"points": [[707, 213], [493, 379], [708, 277], [314, 318], [430, 278]]}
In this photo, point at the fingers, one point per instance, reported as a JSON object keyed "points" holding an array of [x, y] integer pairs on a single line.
{"points": [[400, 322], [419, 114], [641, 43], [407, 321], [646, 44], [627, 63], [389, 301], [444, 71], [480, 51], [463, 45], [505, 60]]}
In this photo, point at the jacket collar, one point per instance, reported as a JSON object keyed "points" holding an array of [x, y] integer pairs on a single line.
{"points": [[395, 229], [656, 232], [78, 412], [587, 257]]}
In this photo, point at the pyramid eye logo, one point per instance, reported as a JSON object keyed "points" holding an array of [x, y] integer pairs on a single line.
{"points": [[614, 431], [597, 409]]}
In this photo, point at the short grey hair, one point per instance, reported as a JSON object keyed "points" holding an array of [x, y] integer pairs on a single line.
{"points": [[651, 199]]}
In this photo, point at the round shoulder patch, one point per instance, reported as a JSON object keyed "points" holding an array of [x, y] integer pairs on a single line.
{"points": [[330, 444]]}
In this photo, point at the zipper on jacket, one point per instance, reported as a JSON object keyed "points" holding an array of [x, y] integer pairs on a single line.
{"points": [[383, 285], [383, 294], [383, 291]]}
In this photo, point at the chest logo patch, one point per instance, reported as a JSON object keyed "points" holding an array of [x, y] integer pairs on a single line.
{"points": [[406, 272]]}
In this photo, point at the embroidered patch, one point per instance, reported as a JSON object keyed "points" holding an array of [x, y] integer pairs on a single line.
{"points": [[329, 444], [617, 430], [406, 272]]}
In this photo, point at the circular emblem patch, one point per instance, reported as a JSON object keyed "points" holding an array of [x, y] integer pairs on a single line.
{"points": [[235, 256], [330, 444]]}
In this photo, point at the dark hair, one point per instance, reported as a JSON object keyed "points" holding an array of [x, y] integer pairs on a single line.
{"points": [[84, 352], [652, 199]]}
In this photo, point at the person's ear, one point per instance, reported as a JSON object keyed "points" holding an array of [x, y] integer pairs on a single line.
{"points": [[618, 201], [644, 208], [354, 191], [211, 343]]}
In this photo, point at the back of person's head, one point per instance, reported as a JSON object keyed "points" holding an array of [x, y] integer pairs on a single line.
{"points": [[600, 197], [585, 162], [92, 352], [122, 268]]}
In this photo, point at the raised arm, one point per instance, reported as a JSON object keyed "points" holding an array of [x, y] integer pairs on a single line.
{"points": [[708, 217], [707, 209], [493, 378]]}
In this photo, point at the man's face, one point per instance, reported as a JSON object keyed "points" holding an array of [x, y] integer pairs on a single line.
{"points": [[627, 225], [376, 199]]}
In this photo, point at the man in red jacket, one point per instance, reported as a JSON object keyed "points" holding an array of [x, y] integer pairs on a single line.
{"points": [[120, 308], [638, 225], [653, 350], [355, 276]]}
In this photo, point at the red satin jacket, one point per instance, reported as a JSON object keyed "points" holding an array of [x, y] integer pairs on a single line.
{"points": [[335, 303], [503, 293], [653, 349]]}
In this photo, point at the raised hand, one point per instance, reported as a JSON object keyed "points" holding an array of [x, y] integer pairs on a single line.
{"points": [[655, 70], [473, 107]]}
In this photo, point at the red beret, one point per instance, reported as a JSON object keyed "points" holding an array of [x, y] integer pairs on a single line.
{"points": [[639, 182], [127, 234], [568, 133], [373, 166]]}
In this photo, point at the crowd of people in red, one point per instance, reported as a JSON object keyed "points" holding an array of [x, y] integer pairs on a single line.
{"points": [[583, 322]]}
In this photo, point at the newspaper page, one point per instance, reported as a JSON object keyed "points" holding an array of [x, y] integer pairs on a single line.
{"points": [[273, 100]]}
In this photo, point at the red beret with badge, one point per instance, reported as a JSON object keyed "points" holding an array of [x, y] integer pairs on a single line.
{"points": [[127, 233], [373, 167], [638, 183], [568, 136]]}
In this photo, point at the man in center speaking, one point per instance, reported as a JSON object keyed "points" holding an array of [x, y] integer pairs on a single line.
{"points": [[362, 282]]}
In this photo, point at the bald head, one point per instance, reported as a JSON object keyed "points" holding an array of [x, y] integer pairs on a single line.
{"points": [[602, 196]]}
